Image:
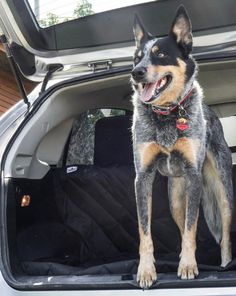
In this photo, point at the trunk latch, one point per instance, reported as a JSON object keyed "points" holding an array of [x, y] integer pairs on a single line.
{"points": [[100, 65]]}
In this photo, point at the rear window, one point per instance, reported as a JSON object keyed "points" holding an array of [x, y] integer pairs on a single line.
{"points": [[83, 24], [48, 14]]}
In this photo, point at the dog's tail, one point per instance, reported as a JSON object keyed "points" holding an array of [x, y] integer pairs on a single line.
{"points": [[211, 211], [210, 198]]}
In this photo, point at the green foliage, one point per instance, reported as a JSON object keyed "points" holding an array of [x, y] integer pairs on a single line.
{"points": [[94, 115], [82, 9], [117, 112], [51, 19]]}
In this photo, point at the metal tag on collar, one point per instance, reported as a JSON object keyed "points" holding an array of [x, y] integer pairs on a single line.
{"points": [[182, 120], [182, 111]]}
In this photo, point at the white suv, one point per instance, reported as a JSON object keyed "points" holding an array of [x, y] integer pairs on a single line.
{"points": [[68, 214]]}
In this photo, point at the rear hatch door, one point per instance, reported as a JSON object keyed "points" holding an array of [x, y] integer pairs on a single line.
{"points": [[77, 37]]}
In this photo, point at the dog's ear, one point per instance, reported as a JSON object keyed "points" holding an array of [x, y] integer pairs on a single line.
{"points": [[181, 30], [140, 34]]}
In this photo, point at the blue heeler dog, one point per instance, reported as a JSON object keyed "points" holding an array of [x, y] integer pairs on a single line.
{"points": [[175, 133]]}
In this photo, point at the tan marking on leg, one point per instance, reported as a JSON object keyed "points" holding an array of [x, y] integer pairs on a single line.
{"points": [[177, 203], [146, 244], [188, 266], [176, 87], [148, 151], [146, 274], [211, 173], [225, 244], [189, 148], [146, 270]]}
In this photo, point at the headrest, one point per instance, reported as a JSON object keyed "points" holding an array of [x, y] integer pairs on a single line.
{"points": [[113, 141]]}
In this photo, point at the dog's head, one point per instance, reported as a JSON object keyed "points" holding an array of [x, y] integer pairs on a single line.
{"points": [[163, 66]]}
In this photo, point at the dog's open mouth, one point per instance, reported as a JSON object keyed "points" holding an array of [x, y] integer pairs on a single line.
{"points": [[152, 90]]}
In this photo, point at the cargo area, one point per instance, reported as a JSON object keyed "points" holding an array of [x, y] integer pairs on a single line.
{"points": [[85, 223]]}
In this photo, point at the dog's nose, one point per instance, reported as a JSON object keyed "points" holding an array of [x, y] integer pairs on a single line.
{"points": [[139, 73]]}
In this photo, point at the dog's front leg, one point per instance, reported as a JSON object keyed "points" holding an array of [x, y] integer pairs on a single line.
{"points": [[188, 265], [143, 187]]}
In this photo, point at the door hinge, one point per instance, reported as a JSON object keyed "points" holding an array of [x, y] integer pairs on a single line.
{"points": [[15, 69], [100, 65]]}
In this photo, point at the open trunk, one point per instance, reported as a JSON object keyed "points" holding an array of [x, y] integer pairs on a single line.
{"points": [[84, 223], [70, 203]]}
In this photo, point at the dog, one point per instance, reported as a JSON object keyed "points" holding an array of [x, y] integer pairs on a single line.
{"points": [[175, 133]]}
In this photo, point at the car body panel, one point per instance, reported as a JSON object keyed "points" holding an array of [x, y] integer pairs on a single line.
{"points": [[6, 290], [117, 49]]}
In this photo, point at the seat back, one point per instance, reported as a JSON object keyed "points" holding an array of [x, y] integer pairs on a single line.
{"points": [[113, 141]]}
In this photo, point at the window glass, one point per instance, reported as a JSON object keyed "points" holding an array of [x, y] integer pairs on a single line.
{"points": [[50, 12]]}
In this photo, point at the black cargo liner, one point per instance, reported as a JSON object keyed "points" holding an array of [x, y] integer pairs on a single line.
{"points": [[85, 224]]}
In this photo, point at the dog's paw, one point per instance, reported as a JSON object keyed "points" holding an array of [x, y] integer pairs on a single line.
{"points": [[146, 275], [187, 270]]}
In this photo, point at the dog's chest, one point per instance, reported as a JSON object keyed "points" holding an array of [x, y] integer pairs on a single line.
{"points": [[169, 161], [162, 144], [170, 164], [166, 134]]}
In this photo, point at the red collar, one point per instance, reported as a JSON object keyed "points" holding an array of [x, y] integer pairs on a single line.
{"points": [[168, 110]]}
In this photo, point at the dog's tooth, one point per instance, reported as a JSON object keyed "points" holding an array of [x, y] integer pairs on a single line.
{"points": [[163, 82], [160, 84]]}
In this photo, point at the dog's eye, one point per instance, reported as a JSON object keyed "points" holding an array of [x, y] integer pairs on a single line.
{"points": [[160, 54]]}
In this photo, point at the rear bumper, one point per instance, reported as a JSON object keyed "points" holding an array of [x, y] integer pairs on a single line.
{"points": [[6, 290]]}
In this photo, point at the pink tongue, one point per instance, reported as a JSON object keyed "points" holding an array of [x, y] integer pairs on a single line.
{"points": [[148, 92]]}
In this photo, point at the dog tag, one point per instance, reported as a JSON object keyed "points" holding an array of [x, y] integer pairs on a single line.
{"points": [[182, 124]]}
